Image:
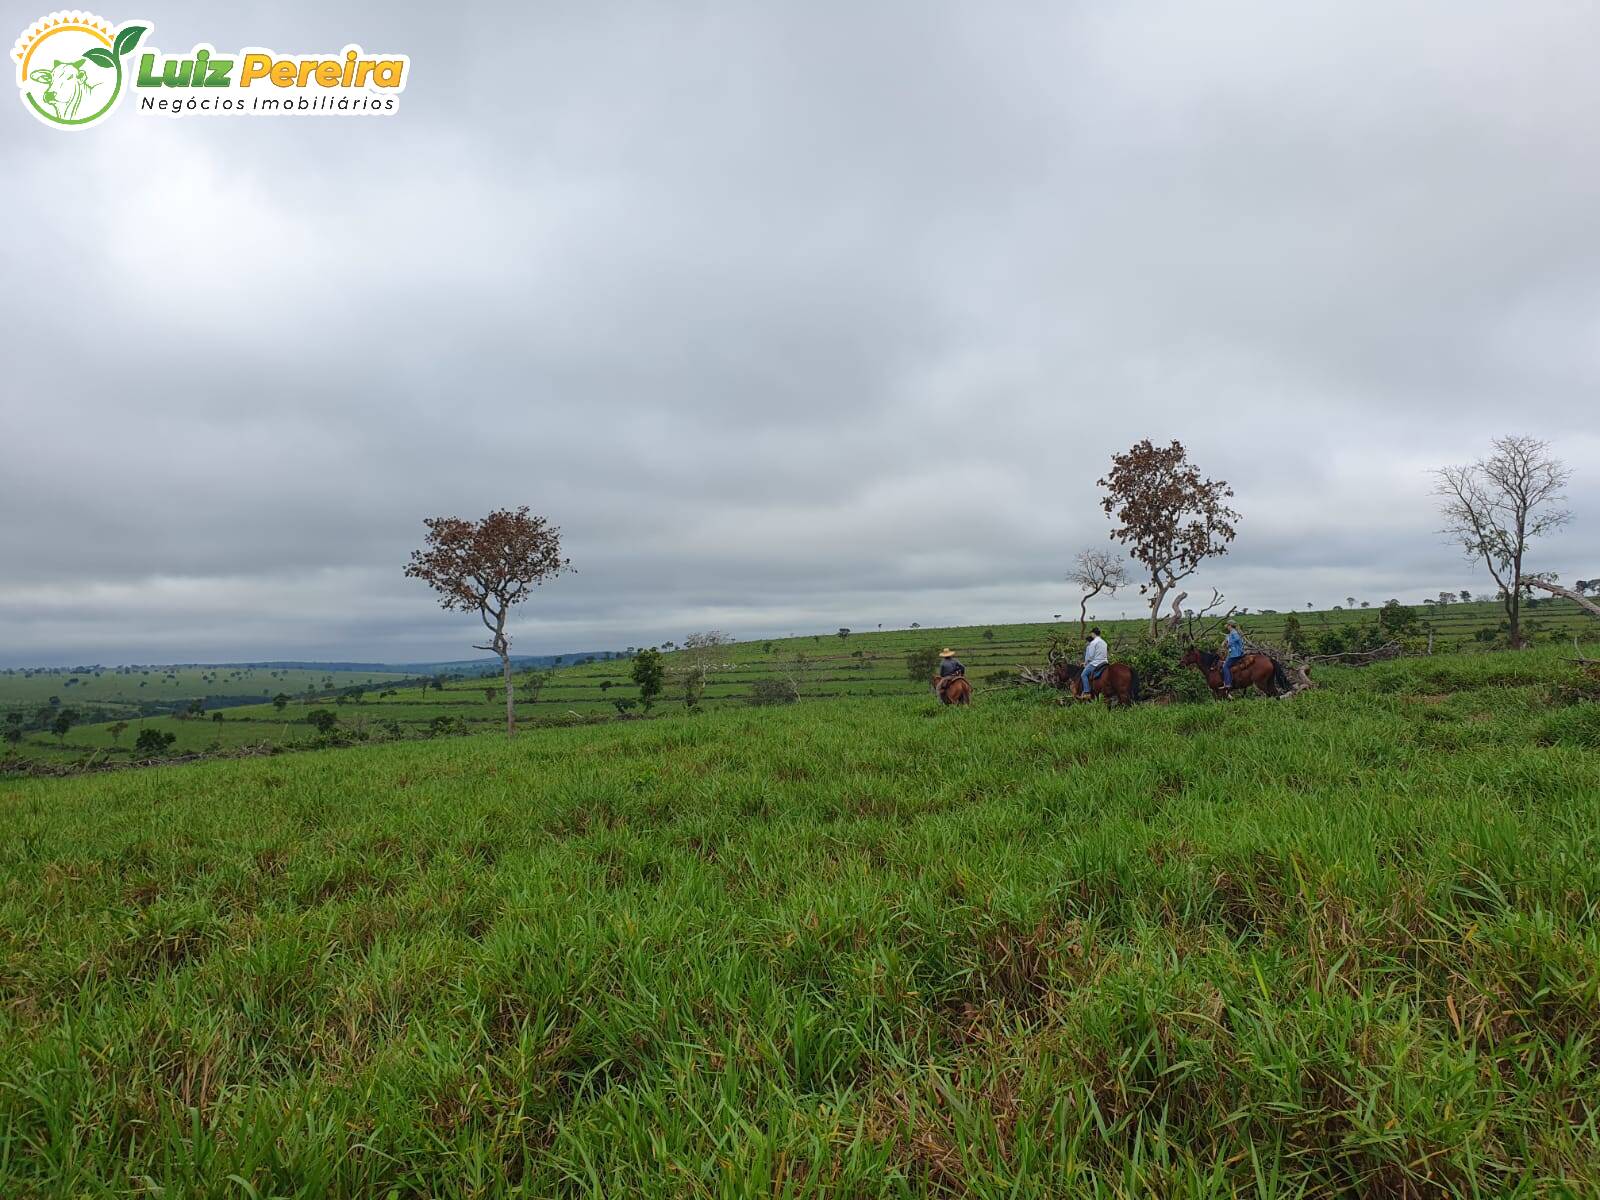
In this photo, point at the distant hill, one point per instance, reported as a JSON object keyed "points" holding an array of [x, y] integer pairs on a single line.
{"points": [[464, 666], [491, 666]]}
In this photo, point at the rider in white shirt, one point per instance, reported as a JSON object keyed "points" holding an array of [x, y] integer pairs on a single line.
{"points": [[1095, 655]]}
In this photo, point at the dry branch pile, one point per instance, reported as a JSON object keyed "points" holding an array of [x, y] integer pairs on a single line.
{"points": [[1359, 658]]}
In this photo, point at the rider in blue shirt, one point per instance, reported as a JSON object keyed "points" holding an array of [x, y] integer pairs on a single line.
{"points": [[1234, 654]]}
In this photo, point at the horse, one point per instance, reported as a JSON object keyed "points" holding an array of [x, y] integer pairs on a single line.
{"points": [[1117, 684], [1261, 671], [952, 689]]}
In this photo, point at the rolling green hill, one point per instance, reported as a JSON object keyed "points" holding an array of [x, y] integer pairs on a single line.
{"points": [[1345, 945], [822, 667], [132, 688]]}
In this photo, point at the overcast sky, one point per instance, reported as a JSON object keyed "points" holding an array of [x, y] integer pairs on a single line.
{"points": [[791, 315]]}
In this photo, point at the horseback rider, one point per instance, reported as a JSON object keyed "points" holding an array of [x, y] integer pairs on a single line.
{"points": [[949, 668], [1232, 653], [1095, 656]]}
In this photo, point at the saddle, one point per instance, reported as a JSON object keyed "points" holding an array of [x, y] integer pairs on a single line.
{"points": [[1096, 672]]}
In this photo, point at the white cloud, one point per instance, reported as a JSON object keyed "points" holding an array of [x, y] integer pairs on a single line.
{"points": [[791, 317]]}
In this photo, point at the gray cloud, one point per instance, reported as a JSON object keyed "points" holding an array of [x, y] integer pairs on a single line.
{"points": [[791, 316]]}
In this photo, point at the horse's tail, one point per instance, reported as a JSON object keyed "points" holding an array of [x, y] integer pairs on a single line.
{"points": [[1133, 684], [1279, 677]]}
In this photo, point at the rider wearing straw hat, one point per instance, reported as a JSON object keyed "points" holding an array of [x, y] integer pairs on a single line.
{"points": [[949, 668]]}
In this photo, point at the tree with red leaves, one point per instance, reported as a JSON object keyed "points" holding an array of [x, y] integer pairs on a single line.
{"points": [[1171, 518], [487, 567]]}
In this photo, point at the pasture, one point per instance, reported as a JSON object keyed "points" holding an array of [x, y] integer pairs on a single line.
{"points": [[821, 667], [129, 689], [1345, 944]]}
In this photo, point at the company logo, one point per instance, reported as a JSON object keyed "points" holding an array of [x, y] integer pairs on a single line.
{"points": [[74, 67]]}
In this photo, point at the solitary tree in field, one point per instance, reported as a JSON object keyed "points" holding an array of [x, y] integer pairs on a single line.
{"points": [[534, 684], [13, 727], [1294, 638], [1096, 571], [63, 723], [648, 674], [1171, 518], [487, 567], [921, 665], [116, 729], [152, 742], [1494, 507], [280, 701]]}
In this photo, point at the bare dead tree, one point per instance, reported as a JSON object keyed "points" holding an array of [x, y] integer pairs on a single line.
{"points": [[793, 673], [1494, 507], [488, 567], [1096, 571], [1175, 621], [1198, 632], [702, 654]]}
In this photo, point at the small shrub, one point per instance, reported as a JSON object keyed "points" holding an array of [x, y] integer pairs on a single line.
{"points": [[765, 692], [1159, 671], [1396, 621], [921, 664], [153, 742]]}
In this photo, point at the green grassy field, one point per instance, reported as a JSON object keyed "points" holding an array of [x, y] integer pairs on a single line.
{"points": [[866, 664], [1345, 944], [127, 688]]}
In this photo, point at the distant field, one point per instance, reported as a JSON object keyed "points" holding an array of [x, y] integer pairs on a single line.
{"points": [[130, 687], [866, 664], [1344, 945]]}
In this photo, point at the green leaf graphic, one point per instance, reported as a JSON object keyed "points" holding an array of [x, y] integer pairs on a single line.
{"points": [[129, 38], [100, 57]]}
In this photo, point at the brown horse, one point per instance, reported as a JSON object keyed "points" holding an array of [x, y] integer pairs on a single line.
{"points": [[1117, 684], [952, 689], [1260, 671]]}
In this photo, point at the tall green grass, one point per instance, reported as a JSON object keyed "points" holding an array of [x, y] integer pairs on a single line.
{"points": [[1345, 944]]}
